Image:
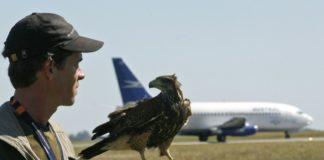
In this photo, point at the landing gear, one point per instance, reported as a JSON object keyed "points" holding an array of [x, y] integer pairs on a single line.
{"points": [[203, 138], [287, 135], [221, 138]]}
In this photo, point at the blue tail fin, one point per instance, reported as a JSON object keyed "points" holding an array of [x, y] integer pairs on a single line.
{"points": [[130, 88]]}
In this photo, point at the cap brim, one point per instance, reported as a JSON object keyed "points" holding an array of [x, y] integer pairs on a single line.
{"points": [[83, 44]]}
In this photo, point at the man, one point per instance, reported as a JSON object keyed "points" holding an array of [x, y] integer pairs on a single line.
{"points": [[44, 53]]}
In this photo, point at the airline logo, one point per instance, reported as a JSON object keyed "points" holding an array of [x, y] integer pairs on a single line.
{"points": [[275, 121], [121, 63], [132, 84]]}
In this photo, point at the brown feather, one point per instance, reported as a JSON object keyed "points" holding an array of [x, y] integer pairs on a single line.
{"points": [[148, 123]]}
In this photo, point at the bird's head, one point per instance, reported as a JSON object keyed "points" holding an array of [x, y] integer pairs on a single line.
{"points": [[165, 83]]}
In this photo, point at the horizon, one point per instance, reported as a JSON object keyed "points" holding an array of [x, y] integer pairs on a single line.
{"points": [[269, 51]]}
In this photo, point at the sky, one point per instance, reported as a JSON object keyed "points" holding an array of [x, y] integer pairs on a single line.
{"points": [[220, 50]]}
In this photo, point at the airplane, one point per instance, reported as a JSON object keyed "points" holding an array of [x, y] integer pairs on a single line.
{"points": [[221, 118]]}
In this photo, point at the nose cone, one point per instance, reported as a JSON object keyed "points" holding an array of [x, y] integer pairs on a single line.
{"points": [[309, 119]]}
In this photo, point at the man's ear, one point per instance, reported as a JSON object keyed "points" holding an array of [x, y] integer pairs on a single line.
{"points": [[49, 68]]}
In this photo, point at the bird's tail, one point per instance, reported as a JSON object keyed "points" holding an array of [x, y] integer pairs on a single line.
{"points": [[94, 150]]}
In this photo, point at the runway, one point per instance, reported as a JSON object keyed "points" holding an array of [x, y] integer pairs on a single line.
{"points": [[278, 140], [281, 140]]}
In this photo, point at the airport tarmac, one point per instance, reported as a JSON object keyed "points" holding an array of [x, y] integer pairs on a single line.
{"points": [[279, 140], [309, 139]]}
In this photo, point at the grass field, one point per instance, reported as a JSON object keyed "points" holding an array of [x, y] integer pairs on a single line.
{"points": [[310, 150]]}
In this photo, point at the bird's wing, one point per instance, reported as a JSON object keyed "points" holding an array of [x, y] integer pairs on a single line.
{"points": [[130, 119], [122, 109]]}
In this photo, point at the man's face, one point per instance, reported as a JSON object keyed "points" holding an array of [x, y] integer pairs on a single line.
{"points": [[66, 79]]}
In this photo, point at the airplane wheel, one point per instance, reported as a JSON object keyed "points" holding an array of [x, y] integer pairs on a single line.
{"points": [[221, 138], [203, 138], [287, 135]]}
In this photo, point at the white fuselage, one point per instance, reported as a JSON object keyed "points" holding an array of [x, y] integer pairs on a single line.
{"points": [[267, 116]]}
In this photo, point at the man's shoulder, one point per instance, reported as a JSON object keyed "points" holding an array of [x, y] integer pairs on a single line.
{"points": [[6, 109], [4, 105], [11, 133], [6, 113], [9, 124]]}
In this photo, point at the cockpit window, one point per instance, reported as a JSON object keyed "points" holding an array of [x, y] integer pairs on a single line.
{"points": [[299, 112]]}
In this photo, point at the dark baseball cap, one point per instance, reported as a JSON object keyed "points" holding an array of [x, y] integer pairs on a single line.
{"points": [[40, 33]]}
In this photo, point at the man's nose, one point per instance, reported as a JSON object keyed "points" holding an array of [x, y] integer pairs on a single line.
{"points": [[81, 75]]}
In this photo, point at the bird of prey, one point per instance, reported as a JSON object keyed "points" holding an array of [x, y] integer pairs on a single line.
{"points": [[151, 123]]}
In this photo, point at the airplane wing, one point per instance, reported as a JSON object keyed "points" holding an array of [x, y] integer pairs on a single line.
{"points": [[233, 123], [236, 122]]}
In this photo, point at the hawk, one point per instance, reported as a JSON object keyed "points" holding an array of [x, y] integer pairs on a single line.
{"points": [[151, 123]]}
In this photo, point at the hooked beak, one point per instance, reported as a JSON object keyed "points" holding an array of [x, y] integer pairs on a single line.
{"points": [[151, 84]]}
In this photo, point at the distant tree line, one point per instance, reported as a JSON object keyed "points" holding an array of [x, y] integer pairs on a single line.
{"points": [[80, 136]]}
